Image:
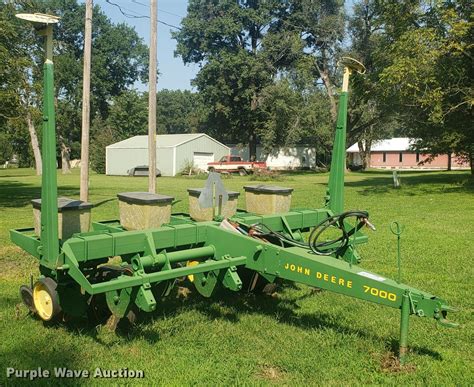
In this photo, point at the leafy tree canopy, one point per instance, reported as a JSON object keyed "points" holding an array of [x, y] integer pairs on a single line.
{"points": [[235, 43], [428, 73], [119, 59]]}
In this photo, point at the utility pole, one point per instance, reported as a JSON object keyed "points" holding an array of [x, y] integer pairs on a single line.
{"points": [[152, 100], [84, 191]]}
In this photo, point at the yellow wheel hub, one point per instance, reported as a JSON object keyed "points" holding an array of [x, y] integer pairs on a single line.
{"points": [[43, 301], [189, 264]]}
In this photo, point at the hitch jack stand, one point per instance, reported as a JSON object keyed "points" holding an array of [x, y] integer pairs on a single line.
{"points": [[405, 315]]}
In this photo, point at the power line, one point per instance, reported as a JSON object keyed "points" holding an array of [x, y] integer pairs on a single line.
{"points": [[170, 13], [159, 9], [137, 15], [128, 15]]}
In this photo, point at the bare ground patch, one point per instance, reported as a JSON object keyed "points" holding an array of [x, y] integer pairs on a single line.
{"points": [[391, 364], [271, 373]]}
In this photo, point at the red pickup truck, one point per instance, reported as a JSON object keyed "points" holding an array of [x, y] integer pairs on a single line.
{"points": [[235, 164]]}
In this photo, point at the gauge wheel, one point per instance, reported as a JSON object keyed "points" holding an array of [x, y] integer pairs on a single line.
{"points": [[26, 295], [46, 299]]}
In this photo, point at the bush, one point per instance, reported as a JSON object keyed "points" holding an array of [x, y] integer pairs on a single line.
{"points": [[189, 168], [266, 175]]}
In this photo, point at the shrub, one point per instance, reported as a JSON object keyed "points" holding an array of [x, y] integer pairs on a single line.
{"points": [[266, 175], [189, 168]]}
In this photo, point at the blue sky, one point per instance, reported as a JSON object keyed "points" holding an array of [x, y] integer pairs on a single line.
{"points": [[173, 73]]}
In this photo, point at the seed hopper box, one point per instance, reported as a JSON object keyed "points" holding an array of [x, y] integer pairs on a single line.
{"points": [[267, 199], [74, 216], [143, 210]]}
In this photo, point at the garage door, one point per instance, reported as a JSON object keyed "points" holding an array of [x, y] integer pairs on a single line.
{"points": [[201, 159]]}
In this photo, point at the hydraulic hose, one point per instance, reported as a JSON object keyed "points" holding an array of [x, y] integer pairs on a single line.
{"points": [[335, 246], [328, 247]]}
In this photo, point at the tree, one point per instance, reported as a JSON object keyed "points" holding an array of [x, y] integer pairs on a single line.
{"points": [[321, 27], [119, 59], [180, 112], [127, 117], [228, 39], [296, 109], [428, 76], [370, 119], [128, 114], [177, 112], [18, 96], [102, 136]]}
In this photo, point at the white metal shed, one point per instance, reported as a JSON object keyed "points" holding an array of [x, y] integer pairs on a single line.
{"points": [[173, 152]]}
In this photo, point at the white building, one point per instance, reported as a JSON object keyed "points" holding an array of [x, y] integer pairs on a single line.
{"points": [[397, 153], [173, 152], [298, 156]]}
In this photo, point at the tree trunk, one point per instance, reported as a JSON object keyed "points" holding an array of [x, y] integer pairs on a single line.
{"points": [[65, 157], [449, 161], [34, 144], [324, 73], [364, 151]]}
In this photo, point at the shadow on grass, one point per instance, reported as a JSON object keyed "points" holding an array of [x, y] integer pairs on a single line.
{"points": [[14, 176], [302, 172], [27, 354], [230, 306], [412, 183], [105, 201], [17, 194], [394, 347]]}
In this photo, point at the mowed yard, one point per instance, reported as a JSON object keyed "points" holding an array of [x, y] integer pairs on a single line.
{"points": [[296, 337]]}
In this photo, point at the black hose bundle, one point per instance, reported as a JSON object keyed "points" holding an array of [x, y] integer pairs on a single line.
{"points": [[264, 231], [335, 246]]}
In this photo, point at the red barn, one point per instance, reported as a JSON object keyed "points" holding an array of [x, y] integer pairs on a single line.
{"points": [[396, 153]]}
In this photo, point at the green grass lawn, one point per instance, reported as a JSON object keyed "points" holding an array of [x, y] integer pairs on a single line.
{"points": [[298, 336]]}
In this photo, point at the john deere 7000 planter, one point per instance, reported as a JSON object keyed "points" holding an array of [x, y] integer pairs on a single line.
{"points": [[291, 245]]}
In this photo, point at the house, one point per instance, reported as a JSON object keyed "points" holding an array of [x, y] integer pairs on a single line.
{"points": [[396, 153], [173, 153], [294, 157]]}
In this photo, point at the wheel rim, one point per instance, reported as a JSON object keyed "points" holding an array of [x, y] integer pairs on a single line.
{"points": [[43, 301]]}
